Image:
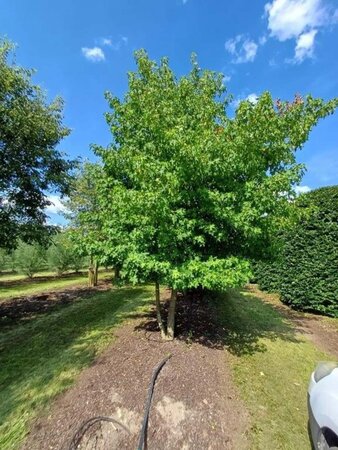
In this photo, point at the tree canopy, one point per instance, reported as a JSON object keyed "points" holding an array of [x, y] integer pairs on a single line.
{"points": [[188, 194], [31, 165]]}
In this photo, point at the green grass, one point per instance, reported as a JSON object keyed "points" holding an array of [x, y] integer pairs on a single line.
{"points": [[42, 358], [271, 365], [23, 286], [21, 276]]}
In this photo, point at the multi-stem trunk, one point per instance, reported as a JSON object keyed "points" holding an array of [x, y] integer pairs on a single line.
{"points": [[167, 333]]}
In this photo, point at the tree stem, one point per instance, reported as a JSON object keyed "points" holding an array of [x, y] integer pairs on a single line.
{"points": [[158, 311], [171, 315]]}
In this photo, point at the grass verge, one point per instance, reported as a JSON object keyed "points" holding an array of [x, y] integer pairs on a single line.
{"points": [[41, 359], [271, 364], [26, 286]]}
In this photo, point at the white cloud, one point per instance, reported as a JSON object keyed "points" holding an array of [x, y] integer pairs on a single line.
{"points": [[56, 206], [94, 54], [289, 18], [262, 40], [226, 79], [106, 41], [302, 189], [304, 46], [299, 20], [241, 48], [253, 98], [115, 45]]}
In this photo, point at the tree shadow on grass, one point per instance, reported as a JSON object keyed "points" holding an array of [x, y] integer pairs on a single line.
{"points": [[42, 358], [236, 320]]}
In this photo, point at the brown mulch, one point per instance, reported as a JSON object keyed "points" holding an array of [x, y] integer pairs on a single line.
{"points": [[29, 306], [195, 403], [314, 327]]}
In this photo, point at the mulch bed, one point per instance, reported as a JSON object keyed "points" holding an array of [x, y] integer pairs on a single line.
{"points": [[28, 306], [195, 404]]}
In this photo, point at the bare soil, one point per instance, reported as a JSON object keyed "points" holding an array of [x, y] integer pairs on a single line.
{"points": [[195, 403], [316, 328]]}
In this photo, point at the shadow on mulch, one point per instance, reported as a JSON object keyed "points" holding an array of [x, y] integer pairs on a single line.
{"points": [[200, 320]]}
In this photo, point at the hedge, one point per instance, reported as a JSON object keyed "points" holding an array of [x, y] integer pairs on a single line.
{"points": [[305, 273]]}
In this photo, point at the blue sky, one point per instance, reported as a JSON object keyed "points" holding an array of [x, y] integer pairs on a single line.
{"points": [[82, 48]]}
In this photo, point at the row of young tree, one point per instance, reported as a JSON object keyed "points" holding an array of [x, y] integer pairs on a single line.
{"points": [[184, 196], [30, 259]]}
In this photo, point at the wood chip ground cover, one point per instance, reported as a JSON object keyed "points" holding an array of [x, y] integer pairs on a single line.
{"points": [[237, 378]]}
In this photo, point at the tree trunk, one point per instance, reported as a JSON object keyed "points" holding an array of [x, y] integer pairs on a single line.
{"points": [[91, 276], [91, 273], [171, 316], [96, 272], [116, 273], [158, 311]]}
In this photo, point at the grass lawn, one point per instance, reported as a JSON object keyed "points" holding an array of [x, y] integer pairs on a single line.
{"points": [[23, 286], [40, 359], [21, 276], [271, 364]]}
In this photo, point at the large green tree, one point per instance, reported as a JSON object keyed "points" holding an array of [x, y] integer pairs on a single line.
{"points": [[30, 130], [189, 194]]}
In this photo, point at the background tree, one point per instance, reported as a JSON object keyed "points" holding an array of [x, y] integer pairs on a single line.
{"points": [[84, 215], [188, 195], [30, 258], [62, 255], [30, 130]]}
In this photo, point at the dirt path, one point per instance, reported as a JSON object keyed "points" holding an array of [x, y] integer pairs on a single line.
{"points": [[195, 404], [314, 327]]}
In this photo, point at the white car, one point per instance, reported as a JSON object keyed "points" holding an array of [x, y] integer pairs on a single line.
{"points": [[323, 406]]}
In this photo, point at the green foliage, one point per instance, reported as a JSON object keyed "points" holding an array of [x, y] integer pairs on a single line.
{"points": [[306, 271], [84, 213], [62, 256], [188, 195], [6, 260], [30, 130], [30, 258]]}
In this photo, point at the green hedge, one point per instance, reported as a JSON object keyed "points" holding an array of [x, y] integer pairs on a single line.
{"points": [[306, 271]]}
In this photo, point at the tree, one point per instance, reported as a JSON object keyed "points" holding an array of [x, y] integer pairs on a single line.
{"points": [[188, 194], [62, 255], [30, 130], [84, 217], [30, 258]]}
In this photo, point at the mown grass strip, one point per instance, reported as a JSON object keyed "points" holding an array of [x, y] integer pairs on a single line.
{"points": [[40, 359], [16, 288], [271, 364]]}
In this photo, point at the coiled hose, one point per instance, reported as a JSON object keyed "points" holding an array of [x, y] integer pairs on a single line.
{"points": [[143, 433]]}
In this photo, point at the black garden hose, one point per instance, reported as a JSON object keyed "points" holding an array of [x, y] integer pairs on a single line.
{"points": [[87, 424], [143, 433]]}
